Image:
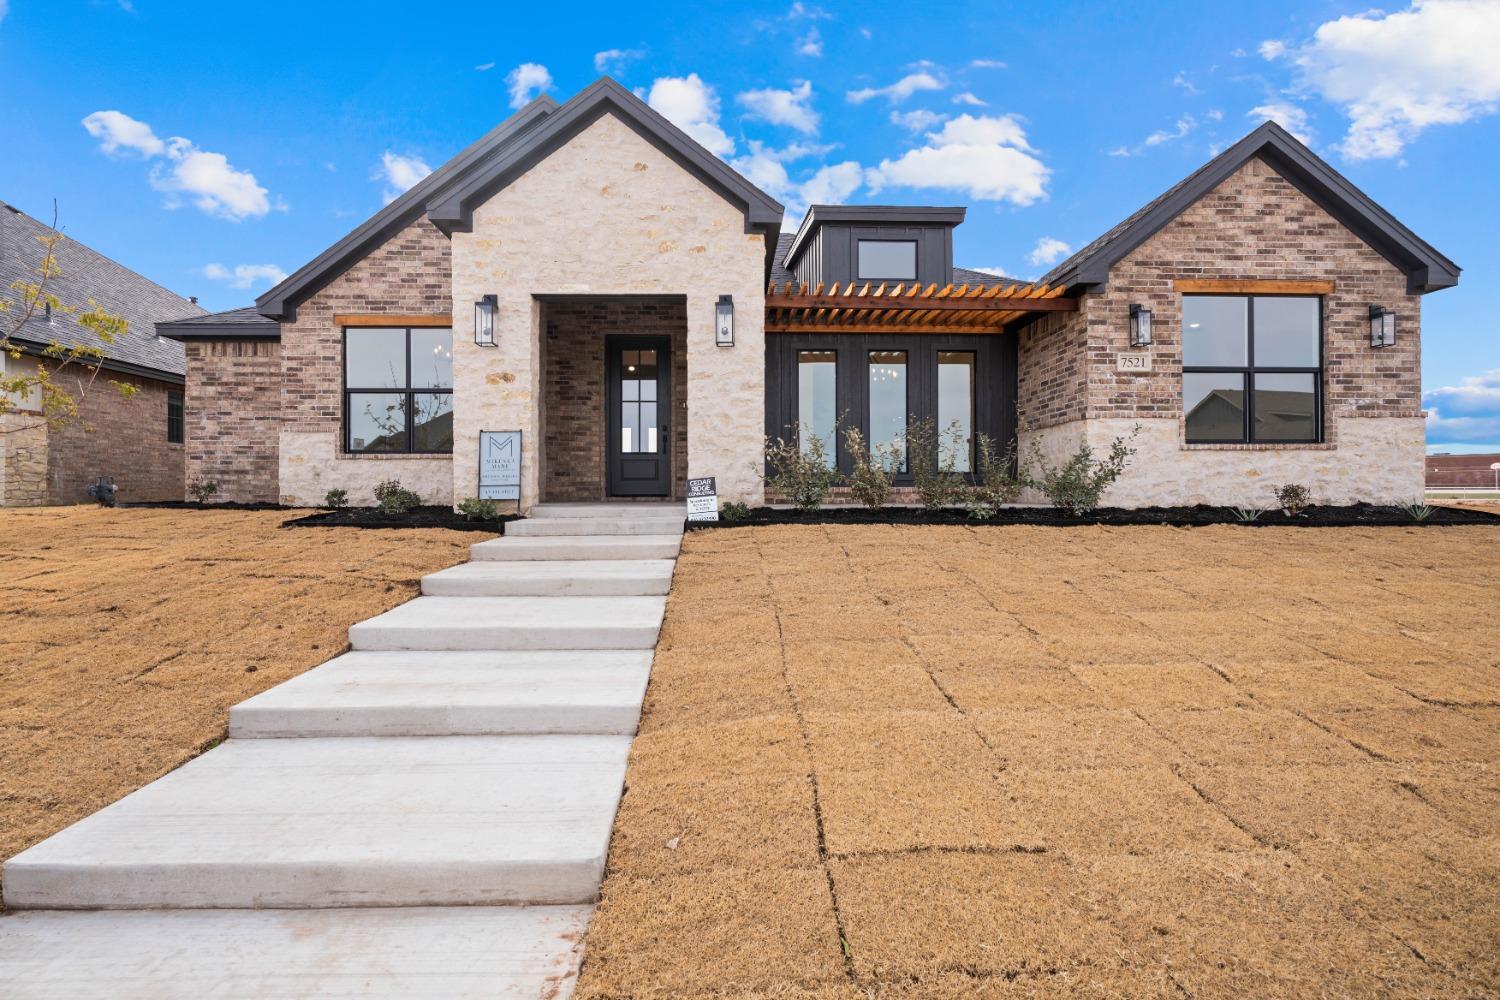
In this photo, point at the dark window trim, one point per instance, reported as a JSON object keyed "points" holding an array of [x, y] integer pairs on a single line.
{"points": [[859, 275], [408, 392], [1250, 369], [937, 399], [176, 424], [838, 393]]}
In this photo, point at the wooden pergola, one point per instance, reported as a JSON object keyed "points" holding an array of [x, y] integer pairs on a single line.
{"points": [[907, 308]]}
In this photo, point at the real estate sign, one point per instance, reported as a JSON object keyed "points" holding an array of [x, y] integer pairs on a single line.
{"points": [[702, 500], [500, 465]]}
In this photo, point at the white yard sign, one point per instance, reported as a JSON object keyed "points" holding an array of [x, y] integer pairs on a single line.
{"points": [[702, 500], [500, 465]]}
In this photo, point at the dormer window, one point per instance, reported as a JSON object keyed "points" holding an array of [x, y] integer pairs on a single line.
{"points": [[887, 260]]}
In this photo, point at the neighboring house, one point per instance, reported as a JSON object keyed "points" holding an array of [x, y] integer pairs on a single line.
{"points": [[1463, 471], [137, 441], [602, 246]]}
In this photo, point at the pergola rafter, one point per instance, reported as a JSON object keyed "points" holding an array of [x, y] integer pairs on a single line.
{"points": [[907, 307]]}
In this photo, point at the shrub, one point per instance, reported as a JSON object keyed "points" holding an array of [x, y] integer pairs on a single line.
{"points": [[1247, 514], [733, 511], [475, 509], [1293, 498], [393, 498], [336, 498], [1418, 510], [1077, 486], [804, 477], [934, 468], [1001, 480], [874, 468], [202, 489]]}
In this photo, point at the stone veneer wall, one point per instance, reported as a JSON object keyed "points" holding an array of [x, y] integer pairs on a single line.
{"points": [[610, 214], [408, 275], [119, 437], [1255, 225], [233, 417], [573, 372]]}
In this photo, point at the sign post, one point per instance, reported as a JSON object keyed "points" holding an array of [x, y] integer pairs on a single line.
{"points": [[500, 465], [702, 500]]}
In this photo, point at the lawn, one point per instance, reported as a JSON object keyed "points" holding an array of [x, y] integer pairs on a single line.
{"points": [[1011, 762], [125, 635]]}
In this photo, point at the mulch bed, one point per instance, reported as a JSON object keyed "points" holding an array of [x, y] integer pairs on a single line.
{"points": [[1361, 515], [419, 517]]}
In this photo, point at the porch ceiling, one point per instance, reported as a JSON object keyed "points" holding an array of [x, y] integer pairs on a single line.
{"points": [[908, 308]]}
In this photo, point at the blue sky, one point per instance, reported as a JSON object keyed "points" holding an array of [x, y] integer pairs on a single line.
{"points": [[213, 147]]}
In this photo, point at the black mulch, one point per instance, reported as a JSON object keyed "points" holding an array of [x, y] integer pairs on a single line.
{"points": [[418, 517], [1353, 515]]}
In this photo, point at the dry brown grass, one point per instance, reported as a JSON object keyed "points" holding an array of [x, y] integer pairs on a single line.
{"points": [[882, 762], [125, 635]]}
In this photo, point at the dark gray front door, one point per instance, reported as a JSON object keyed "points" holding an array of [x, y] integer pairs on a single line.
{"points": [[637, 421]]}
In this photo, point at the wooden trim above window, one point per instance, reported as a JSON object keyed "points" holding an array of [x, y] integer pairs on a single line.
{"points": [[391, 319], [1251, 286]]}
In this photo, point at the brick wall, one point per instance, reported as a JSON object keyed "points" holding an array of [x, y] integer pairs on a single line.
{"points": [[233, 417], [116, 436], [1052, 370], [573, 373]]}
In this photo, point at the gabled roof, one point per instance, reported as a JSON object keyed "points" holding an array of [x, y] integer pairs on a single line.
{"points": [[1426, 269], [449, 194], [244, 323], [85, 274]]}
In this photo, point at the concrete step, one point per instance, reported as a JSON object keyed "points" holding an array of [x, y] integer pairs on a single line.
{"points": [[642, 508], [424, 952], [454, 694], [582, 578], [540, 527], [434, 821], [514, 623], [573, 548]]}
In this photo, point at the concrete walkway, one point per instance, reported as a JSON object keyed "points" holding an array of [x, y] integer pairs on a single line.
{"points": [[427, 815]]}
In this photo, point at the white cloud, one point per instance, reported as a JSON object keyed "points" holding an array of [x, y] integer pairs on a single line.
{"points": [[181, 169], [1465, 413], [831, 184], [1181, 80], [485, 67], [998, 272], [807, 12], [1286, 114], [983, 157], [117, 131], [791, 108], [693, 106], [1271, 49], [918, 120], [614, 61], [810, 44], [1184, 125], [967, 98], [245, 275], [898, 91], [866, 33], [527, 82], [1048, 250], [766, 167], [1215, 115], [1397, 74], [400, 173], [986, 64], [4, 8]]}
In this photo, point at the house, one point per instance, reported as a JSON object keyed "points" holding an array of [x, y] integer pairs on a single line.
{"points": [[588, 275], [137, 440]]}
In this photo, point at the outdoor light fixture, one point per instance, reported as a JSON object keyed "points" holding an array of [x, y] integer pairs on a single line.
{"points": [[1382, 327], [724, 321], [484, 321], [1140, 326]]}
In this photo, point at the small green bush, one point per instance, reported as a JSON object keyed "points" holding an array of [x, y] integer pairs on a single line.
{"points": [[393, 498], [1247, 514], [202, 489], [1418, 510], [1001, 479], [1293, 499], [934, 462], [1077, 486], [804, 477], [733, 511], [874, 468], [475, 509], [336, 498]]}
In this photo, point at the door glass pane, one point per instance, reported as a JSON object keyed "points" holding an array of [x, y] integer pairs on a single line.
{"points": [[377, 421], [1215, 406], [888, 400], [375, 358], [431, 359], [955, 406], [1215, 331], [888, 259], [1285, 406], [432, 421], [638, 401], [1286, 332], [816, 404], [630, 427]]}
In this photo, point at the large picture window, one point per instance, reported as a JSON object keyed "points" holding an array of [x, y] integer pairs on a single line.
{"points": [[817, 401], [398, 390], [1252, 368]]}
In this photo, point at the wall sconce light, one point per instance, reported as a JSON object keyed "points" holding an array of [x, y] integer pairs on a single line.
{"points": [[484, 321], [724, 321], [1382, 327], [1140, 326]]}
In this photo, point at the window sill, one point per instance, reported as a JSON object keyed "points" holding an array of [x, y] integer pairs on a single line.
{"points": [[388, 456], [1241, 446]]}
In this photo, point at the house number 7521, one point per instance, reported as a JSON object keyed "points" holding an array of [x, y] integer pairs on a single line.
{"points": [[1133, 363]]}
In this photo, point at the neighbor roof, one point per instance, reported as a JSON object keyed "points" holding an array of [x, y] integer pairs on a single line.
{"points": [[1426, 269], [84, 274], [245, 323]]}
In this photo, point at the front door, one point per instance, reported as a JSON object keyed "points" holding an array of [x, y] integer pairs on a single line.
{"points": [[638, 416]]}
